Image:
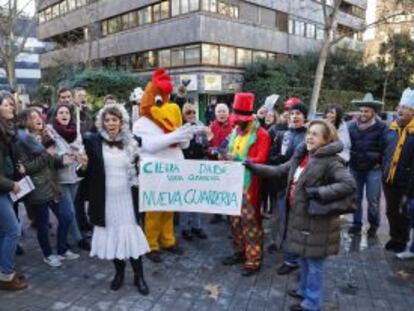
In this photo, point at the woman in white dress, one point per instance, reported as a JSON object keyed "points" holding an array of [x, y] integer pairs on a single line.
{"points": [[110, 168]]}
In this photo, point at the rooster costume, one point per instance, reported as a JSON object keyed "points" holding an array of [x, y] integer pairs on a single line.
{"points": [[163, 137], [248, 142]]}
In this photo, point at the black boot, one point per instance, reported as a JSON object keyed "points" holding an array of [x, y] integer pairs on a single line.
{"points": [[118, 279], [139, 280]]}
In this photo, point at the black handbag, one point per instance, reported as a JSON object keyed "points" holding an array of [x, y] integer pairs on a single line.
{"points": [[348, 205]]}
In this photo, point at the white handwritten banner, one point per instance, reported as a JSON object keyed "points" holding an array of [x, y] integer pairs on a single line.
{"points": [[191, 186]]}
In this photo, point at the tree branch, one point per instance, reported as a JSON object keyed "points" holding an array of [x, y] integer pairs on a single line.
{"points": [[383, 19]]}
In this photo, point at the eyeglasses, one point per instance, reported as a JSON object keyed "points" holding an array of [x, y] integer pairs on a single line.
{"points": [[190, 112]]}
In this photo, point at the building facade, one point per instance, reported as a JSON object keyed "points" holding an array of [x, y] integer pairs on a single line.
{"points": [[207, 41], [28, 71]]}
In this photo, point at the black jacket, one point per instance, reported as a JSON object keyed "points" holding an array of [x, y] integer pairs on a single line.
{"points": [[367, 146], [6, 168], [41, 167], [95, 180]]}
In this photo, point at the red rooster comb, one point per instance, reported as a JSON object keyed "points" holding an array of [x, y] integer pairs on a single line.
{"points": [[162, 81]]}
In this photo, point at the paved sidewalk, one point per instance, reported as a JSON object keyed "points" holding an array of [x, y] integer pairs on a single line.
{"points": [[363, 277]]}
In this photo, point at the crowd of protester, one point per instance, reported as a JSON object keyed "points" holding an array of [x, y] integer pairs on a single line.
{"points": [[303, 173]]}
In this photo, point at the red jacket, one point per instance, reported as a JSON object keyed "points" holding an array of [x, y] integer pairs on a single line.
{"points": [[220, 131], [258, 153]]}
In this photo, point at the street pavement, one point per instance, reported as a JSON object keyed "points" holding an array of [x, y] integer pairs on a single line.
{"points": [[362, 277]]}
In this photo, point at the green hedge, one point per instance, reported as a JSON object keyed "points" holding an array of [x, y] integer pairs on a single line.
{"points": [[326, 97], [100, 82]]}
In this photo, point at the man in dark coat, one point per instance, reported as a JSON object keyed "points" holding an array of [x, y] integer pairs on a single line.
{"points": [[367, 145], [398, 176]]}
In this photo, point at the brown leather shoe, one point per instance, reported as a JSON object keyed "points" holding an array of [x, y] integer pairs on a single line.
{"points": [[16, 283]]}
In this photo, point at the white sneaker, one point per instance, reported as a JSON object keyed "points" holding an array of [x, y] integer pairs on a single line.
{"points": [[405, 255], [68, 255], [53, 261]]}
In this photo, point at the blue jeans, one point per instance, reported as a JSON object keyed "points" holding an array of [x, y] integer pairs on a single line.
{"points": [[311, 282], [371, 180], [9, 234], [69, 192], [190, 220], [64, 216]]}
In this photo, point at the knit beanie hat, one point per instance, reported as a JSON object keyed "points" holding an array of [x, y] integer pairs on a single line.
{"points": [[407, 98], [301, 107]]}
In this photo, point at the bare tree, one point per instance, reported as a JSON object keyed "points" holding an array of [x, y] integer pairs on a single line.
{"points": [[330, 16], [15, 27]]}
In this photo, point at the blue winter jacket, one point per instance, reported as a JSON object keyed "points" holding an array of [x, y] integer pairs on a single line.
{"points": [[367, 146], [404, 175]]}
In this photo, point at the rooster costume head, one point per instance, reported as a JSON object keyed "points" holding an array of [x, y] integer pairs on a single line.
{"points": [[155, 103]]}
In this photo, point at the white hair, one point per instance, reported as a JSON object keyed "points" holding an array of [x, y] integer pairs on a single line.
{"points": [[221, 105]]}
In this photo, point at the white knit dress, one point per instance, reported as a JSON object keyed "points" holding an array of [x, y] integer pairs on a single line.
{"points": [[121, 238]]}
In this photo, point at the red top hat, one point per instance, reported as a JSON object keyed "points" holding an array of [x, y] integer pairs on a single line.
{"points": [[243, 107]]}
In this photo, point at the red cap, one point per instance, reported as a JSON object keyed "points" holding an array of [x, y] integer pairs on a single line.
{"points": [[243, 107], [290, 102]]}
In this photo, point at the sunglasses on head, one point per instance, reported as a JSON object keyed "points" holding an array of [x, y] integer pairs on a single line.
{"points": [[188, 112]]}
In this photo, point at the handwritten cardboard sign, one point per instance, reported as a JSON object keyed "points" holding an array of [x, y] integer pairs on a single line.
{"points": [[191, 186]]}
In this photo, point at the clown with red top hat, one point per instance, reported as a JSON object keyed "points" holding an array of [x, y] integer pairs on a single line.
{"points": [[248, 142]]}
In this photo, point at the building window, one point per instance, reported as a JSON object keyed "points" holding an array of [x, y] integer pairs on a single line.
{"points": [[145, 60], [164, 58], [129, 20], [55, 11], [63, 7], [86, 33], [194, 5], [184, 7], [104, 28], [144, 16], [175, 7], [177, 57], [71, 5], [310, 31], [165, 10], [210, 5], [125, 62], [320, 33], [282, 21], [42, 18], [257, 56], [227, 9], [210, 54], [192, 55], [114, 25], [48, 14], [81, 3], [272, 57], [244, 57], [161, 11], [300, 28], [227, 56], [291, 27]]}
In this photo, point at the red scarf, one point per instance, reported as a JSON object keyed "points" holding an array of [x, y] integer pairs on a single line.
{"points": [[68, 132], [294, 182]]}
